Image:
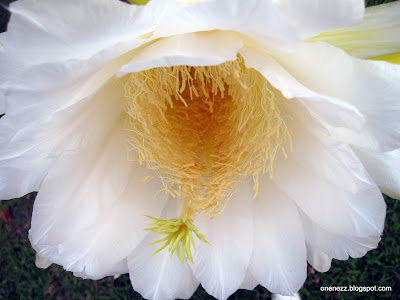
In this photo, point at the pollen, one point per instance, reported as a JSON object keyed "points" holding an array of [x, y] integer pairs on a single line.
{"points": [[204, 129]]}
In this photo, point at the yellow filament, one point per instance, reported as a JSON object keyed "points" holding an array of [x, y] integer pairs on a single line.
{"points": [[202, 129]]}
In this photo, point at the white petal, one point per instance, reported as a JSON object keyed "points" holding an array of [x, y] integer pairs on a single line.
{"points": [[318, 259], [359, 211], [378, 34], [161, 276], [383, 168], [50, 31], [311, 17], [331, 110], [255, 18], [30, 147], [249, 282], [279, 260], [281, 297], [338, 219], [92, 223], [221, 267], [371, 86], [193, 49], [42, 262], [339, 246]]}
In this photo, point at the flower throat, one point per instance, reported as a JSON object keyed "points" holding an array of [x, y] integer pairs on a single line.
{"points": [[203, 129]]}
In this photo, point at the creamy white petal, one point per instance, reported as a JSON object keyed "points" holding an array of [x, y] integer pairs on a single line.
{"points": [[193, 49], [50, 31], [30, 148], [281, 297], [249, 282], [259, 19], [338, 246], [384, 168], [221, 267], [378, 34], [161, 276], [318, 259], [341, 209], [327, 109], [42, 262], [311, 17], [94, 222], [358, 211], [279, 261], [371, 86]]}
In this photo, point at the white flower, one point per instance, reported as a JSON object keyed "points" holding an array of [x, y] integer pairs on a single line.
{"points": [[87, 86]]}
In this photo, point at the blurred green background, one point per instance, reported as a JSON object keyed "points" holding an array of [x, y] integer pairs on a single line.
{"points": [[20, 279]]}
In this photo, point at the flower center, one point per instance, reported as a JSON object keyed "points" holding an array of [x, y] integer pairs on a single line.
{"points": [[203, 129]]}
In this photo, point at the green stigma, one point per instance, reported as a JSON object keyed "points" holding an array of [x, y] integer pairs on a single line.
{"points": [[179, 236], [138, 2]]}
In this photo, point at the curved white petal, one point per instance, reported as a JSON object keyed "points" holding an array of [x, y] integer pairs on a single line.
{"points": [[378, 34], [310, 176], [339, 246], [281, 297], [249, 282], [327, 109], [318, 259], [371, 86], [258, 19], [41, 262], [92, 223], [221, 267], [29, 148], [50, 31], [342, 211], [311, 17], [279, 261], [193, 49], [160, 276], [384, 168]]}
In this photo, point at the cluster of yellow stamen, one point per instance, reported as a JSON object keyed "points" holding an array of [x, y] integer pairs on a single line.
{"points": [[202, 130]]}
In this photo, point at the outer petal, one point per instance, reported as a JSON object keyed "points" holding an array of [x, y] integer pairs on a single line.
{"points": [[328, 182], [378, 34], [371, 86], [221, 267], [161, 276], [279, 260], [311, 17], [258, 19], [318, 259], [384, 169], [327, 109], [341, 209], [59, 31], [339, 246], [195, 49], [29, 148], [94, 222]]}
